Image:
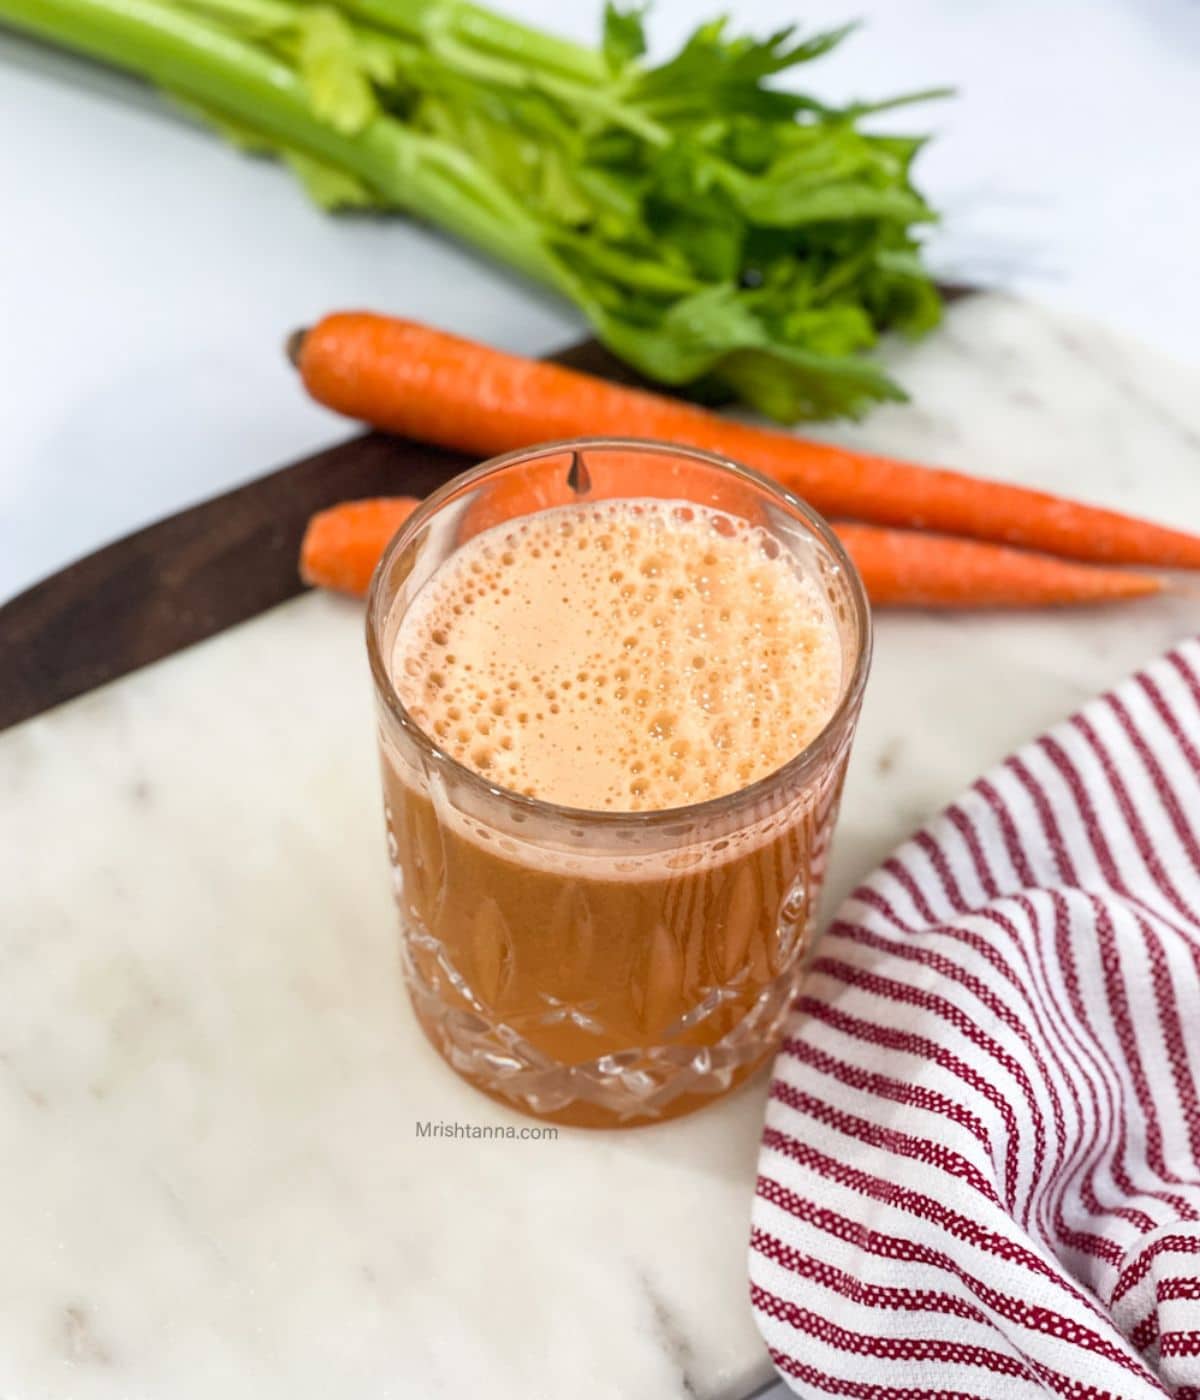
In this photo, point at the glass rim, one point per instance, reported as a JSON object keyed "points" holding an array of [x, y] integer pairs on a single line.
{"points": [[798, 765]]}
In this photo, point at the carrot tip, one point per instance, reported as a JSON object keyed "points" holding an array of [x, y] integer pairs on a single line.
{"points": [[294, 345]]}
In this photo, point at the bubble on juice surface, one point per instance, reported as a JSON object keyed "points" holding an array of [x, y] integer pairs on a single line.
{"points": [[620, 655]]}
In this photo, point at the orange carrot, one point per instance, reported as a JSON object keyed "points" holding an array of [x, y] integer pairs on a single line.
{"points": [[342, 546], [908, 568], [899, 567], [437, 388]]}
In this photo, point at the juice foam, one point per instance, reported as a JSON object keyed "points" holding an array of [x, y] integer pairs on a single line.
{"points": [[627, 655]]}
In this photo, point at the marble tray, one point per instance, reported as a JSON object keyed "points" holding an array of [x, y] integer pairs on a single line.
{"points": [[211, 1176]]}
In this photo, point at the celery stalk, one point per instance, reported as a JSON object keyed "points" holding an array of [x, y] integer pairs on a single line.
{"points": [[716, 229], [489, 33], [408, 170]]}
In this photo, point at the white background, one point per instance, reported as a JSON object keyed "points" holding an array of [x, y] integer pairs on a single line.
{"points": [[149, 274]]}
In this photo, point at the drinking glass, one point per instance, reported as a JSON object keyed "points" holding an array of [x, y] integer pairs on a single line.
{"points": [[602, 968]]}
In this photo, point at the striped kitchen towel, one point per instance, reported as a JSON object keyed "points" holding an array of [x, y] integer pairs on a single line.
{"points": [[980, 1172]]}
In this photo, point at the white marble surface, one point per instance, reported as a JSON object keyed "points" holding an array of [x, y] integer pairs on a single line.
{"points": [[150, 273], [210, 1180]]}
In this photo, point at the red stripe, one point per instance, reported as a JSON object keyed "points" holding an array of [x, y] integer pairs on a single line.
{"points": [[1171, 1028], [1035, 1317], [1091, 1146], [1133, 823], [1163, 986], [987, 950], [1070, 975], [890, 1038], [942, 869], [886, 1347], [952, 972], [1008, 830], [1179, 1343], [1158, 779], [900, 992], [894, 1090], [1144, 1334], [916, 1204], [900, 873], [1118, 1001], [1183, 670], [970, 839], [978, 944], [867, 1295], [1170, 720], [966, 828], [885, 1298], [1024, 870], [859, 1390], [1115, 984], [908, 1349], [1114, 1119], [1134, 1273], [980, 990], [1050, 827], [953, 891], [1049, 1206], [932, 1154]]}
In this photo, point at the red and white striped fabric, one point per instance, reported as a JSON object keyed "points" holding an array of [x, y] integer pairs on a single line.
{"points": [[980, 1172]]}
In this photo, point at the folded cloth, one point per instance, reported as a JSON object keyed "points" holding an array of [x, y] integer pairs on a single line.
{"points": [[980, 1172]]}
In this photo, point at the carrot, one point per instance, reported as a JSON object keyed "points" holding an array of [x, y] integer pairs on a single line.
{"points": [[342, 546], [899, 567], [907, 568], [438, 388]]}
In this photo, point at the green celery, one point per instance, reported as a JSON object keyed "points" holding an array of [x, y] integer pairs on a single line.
{"points": [[719, 231], [203, 63]]}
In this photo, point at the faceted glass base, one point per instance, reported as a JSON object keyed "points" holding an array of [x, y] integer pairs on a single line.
{"points": [[627, 1088]]}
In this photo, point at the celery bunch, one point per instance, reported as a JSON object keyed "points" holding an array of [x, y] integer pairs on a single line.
{"points": [[718, 231]]}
